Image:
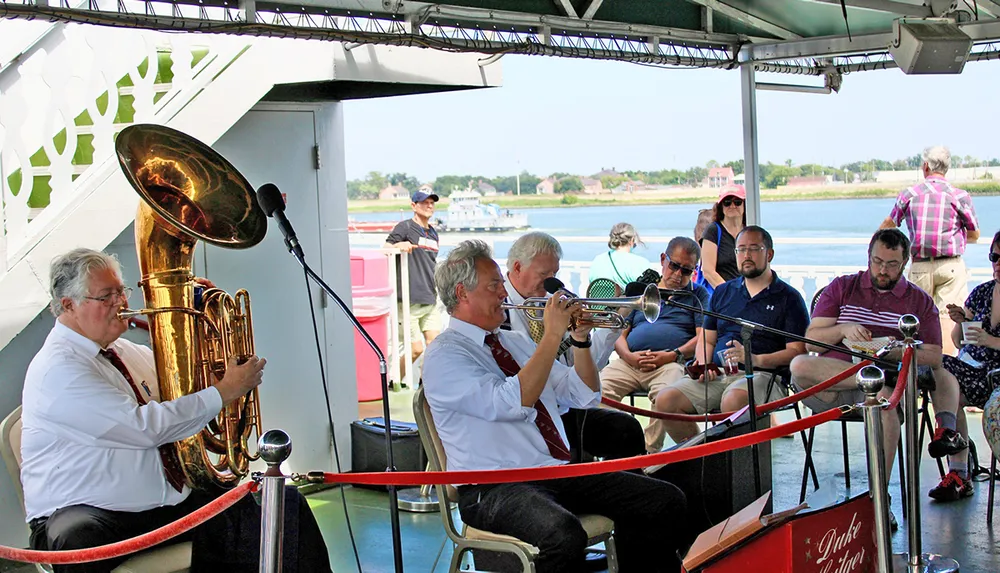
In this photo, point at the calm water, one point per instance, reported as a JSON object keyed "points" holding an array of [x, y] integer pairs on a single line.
{"points": [[783, 219]]}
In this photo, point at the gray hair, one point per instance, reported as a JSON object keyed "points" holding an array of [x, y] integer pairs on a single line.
{"points": [[938, 159], [460, 268], [69, 275], [686, 244], [621, 235], [529, 246]]}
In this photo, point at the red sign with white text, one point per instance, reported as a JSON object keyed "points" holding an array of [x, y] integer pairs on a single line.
{"points": [[837, 539]]}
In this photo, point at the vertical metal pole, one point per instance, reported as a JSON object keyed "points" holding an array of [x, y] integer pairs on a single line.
{"points": [[275, 446], [870, 381], [746, 335], [917, 561], [748, 90]]}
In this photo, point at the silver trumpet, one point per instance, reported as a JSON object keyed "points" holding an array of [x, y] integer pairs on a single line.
{"points": [[600, 312]]}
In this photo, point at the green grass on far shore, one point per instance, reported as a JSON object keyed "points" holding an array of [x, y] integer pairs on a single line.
{"points": [[684, 197]]}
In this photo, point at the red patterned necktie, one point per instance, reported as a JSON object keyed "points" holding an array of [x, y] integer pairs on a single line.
{"points": [[171, 464], [506, 362]]}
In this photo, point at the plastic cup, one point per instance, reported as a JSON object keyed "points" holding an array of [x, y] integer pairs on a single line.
{"points": [[970, 337], [729, 365]]}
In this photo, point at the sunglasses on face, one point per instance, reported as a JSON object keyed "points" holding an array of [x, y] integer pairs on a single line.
{"points": [[685, 271], [730, 201], [994, 257]]}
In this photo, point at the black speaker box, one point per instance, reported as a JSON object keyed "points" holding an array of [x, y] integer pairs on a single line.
{"points": [[719, 485], [368, 447]]}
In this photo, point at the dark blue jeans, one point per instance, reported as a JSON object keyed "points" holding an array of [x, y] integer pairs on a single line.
{"points": [[649, 515]]}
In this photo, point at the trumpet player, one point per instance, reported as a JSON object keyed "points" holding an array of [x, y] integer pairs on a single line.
{"points": [[493, 396], [600, 432], [96, 469]]}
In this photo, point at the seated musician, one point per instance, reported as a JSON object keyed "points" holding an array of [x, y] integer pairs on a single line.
{"points": [[759, 296], [652, 355], [95, 467], [492, 394], [866, 305], [600, 432]]}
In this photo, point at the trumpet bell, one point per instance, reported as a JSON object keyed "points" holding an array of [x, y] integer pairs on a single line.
{"points": [[191, 186], [649, 303]]}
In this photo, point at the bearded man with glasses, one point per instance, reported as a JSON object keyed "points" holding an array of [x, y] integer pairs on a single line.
{"points": [[867, 305], [652, 355], [758, 295]]}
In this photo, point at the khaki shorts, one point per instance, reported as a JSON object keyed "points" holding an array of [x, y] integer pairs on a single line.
{"points": [[695, 392], [423, 318], [944, 279]]}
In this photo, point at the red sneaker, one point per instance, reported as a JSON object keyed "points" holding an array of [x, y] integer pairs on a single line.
{"points": [[952, 488]]}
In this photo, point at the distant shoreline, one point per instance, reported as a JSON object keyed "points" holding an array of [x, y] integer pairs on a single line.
{"points": [[673, 197]]}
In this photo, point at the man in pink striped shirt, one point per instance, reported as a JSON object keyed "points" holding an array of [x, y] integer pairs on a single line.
{"points": [[941, 220]]}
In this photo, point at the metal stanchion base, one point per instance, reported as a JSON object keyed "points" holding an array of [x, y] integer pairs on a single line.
{"points": [[412, 499], [929, 563]]}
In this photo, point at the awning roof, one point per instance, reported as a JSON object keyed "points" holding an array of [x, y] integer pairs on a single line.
{"points": [[796, 36]]}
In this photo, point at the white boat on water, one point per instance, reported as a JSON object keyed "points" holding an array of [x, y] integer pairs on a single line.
{"points": [[467, 213]]}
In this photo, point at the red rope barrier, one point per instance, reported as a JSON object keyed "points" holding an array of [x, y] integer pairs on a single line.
{"points": [[904, 374], [127, 546], [576, 470], [762, 409]]}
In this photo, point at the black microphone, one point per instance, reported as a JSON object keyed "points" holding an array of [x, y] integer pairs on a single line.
{"points": [[553, 285], [270, 200]]}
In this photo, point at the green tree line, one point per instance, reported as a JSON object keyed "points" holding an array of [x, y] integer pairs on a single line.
{"points": [[771, 175]]}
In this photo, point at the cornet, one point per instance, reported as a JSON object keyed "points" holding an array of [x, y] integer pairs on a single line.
{"points": [[596, 311]]}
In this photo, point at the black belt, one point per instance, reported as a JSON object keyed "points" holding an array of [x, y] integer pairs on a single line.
{"points": [[930, 259]]}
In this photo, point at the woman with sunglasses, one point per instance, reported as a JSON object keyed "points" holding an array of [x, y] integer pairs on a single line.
{"points": [[979, 354], [718, 245]]}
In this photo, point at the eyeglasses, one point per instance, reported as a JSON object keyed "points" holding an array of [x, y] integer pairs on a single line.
{"points": [[752, 250], [685, 271], [730, 201], [122, 293], [994, 257], [887, 265]]}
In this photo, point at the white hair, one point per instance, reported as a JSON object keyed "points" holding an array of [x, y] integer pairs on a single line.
{"points": [[460, 268], [938, 159], [529, 246], [69, 275]]}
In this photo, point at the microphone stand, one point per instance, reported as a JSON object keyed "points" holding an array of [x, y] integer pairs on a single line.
{"points": [[747, 329], [397, 545]]}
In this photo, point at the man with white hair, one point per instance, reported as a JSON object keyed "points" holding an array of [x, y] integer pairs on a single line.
{"points": [[941, 221], [600, 432], [493, 393], [97, 462]]}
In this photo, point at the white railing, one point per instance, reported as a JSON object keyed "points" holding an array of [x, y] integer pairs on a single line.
{"points": [[65, 99], [807, 279]]}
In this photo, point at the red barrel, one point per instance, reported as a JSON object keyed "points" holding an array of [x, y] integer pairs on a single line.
{"points": [[373, 299]]}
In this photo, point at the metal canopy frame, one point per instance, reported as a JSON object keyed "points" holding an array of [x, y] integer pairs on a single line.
{"points": [[806, 37]]}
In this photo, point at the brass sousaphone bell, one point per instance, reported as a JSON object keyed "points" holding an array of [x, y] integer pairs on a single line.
{"points": [[190, 192]]}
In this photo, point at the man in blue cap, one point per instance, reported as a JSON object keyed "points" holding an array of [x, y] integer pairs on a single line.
{"points": [[417, 237]]}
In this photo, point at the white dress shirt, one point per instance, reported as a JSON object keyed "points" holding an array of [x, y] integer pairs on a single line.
{"points": [[602, 339], [87, 441], [477, 409]]}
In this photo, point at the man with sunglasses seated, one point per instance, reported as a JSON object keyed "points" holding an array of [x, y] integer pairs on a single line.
{"points": [[652, 355], [868, 304], [758, 296]]}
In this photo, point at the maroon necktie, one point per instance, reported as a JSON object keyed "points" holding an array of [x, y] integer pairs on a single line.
{"points": [[171, 464], [506, 362]]}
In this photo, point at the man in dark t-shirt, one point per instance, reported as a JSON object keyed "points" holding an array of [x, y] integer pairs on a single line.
{"points": [[419, 239]]}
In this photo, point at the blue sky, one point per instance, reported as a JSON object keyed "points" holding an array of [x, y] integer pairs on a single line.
{"points": [[577, 116]]}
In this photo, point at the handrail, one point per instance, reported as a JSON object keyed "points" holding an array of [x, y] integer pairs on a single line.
{"points": [[33, 45]]}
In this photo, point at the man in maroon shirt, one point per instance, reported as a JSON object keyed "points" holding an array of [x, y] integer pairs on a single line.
{"points": [[867, 305]]}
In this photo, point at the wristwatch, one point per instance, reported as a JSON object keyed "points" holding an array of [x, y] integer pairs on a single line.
{"points": [[679, 356], [578, 344]]}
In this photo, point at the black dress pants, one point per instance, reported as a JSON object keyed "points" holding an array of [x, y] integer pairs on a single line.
{"points": [[603, 433], [650, 518], [228, 542]]}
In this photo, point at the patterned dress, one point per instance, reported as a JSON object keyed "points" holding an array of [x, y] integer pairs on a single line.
{"points": [[972, 380]]}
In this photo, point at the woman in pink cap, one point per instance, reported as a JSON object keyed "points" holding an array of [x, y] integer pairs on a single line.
{"points": [[718, 245]]}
